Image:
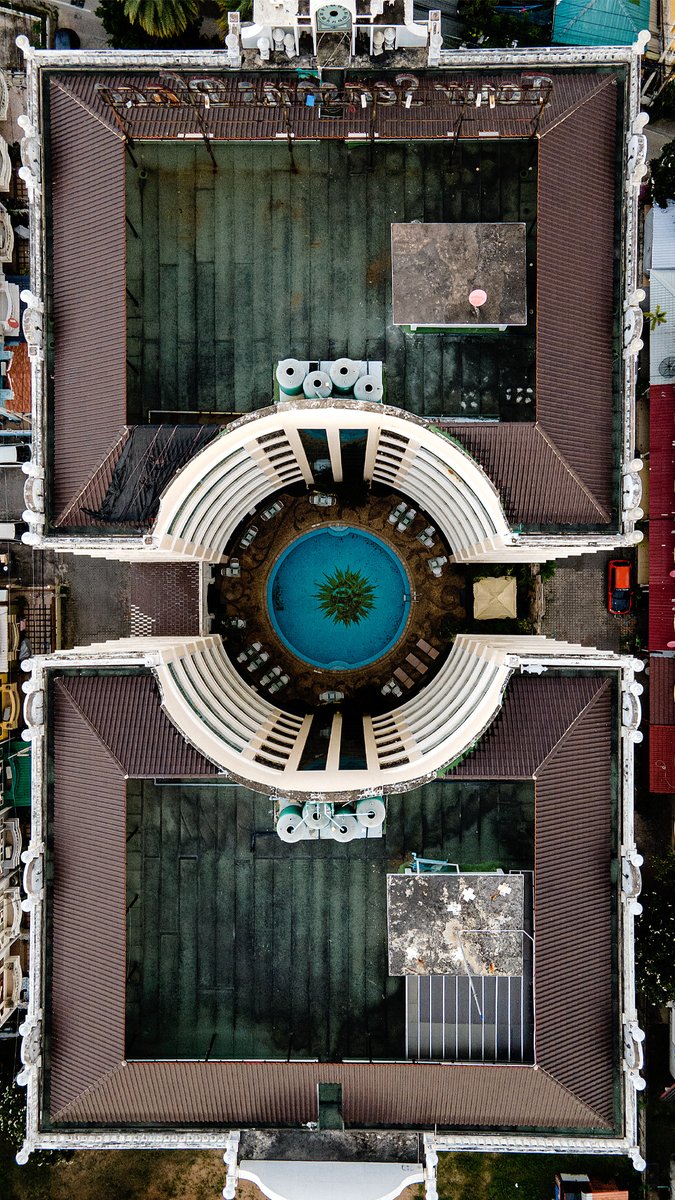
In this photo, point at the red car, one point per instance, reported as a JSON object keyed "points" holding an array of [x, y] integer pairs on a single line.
{"points": [[619, 587]]}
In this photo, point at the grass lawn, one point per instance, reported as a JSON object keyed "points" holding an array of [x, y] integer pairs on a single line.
{"points": [[524, 1176]]}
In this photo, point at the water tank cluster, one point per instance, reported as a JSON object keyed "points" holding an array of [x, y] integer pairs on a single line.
{"points": [[345, 377], [318, 819]]}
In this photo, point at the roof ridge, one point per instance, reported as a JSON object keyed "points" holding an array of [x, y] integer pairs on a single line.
{"points": [[578, 104], [601, 686], [62, 87], [568, 1091], [61, 683], [62, 1113], [571, 471], [121, 437]]}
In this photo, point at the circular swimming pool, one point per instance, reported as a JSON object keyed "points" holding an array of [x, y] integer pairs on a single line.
{"points": [[338, 597]]}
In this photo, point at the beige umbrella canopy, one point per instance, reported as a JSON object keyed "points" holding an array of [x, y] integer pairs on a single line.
{"points": [[494, 598]]}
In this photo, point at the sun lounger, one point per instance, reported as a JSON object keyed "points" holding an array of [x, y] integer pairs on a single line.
{"points": [[427, 649], [405, 679], [415, 662]]}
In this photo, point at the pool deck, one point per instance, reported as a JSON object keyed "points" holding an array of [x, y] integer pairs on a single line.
{"points": [[266, 258], [242, 946], [295, 600], [435, 601]]}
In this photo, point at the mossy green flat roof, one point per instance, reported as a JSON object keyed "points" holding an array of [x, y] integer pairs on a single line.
{"points": [[245, 947], [230, 271]]}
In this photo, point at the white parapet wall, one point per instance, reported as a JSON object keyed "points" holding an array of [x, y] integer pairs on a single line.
{"points": [[253, 740]]}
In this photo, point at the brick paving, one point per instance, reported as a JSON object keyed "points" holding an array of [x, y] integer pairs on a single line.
{"points": [[576, 605]]}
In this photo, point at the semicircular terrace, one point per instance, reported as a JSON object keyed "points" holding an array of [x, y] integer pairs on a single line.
{"points": [[258, 456], [254, 740]]}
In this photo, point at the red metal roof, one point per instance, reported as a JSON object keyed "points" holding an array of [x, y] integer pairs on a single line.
{"points": [[661, 585], [662, 759], [536, 484], [662, 689], [662, 450]]}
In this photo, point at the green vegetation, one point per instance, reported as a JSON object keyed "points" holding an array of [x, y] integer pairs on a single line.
{"points": [[658, 317], [346, 596], [483, 24], [523, 1176], [663, 105], [162, 18], [127, 34], [655, 933]]}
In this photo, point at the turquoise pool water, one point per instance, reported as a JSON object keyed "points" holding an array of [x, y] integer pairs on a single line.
{"points": [[298, 618]]}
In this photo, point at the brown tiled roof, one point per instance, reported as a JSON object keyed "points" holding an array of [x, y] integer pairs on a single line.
{"points": [[88, 857], [536, 484], [569, 1088], [92, 494], [242, 121], [88, 252], [661, 690], [575, 288], [558, 471], [125, 712], [380, 1094], [573, 901], [165, 598], [536, 714]]}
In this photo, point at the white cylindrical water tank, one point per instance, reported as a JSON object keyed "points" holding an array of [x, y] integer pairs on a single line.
{"points": [[290, 826], [316, 814], [344, 827], [317, 385], [368, 388], [344, 373], [370, 812], [290, 374]]}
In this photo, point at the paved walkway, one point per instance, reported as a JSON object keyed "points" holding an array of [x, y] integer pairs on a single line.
{"points": [[576, 606]]}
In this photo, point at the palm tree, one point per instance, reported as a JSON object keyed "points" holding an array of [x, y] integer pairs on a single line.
{"points": [[657, 317], [162, 18], [345, 596]]}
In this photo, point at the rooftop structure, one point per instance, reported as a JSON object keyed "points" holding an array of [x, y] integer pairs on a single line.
{"points": [[222, 387]]}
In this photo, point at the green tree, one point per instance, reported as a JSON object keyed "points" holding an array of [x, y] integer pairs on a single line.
{"points": [[657, 317], [663, 175], [345, 596], [483, 24], [655, 933], [162, 18], [124, 34]]}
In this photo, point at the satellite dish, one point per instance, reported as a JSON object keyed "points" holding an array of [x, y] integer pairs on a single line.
{"points": [[667, 367]]}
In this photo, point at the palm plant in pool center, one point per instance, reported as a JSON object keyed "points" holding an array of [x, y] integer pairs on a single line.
{"points": [[346, 596]]}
